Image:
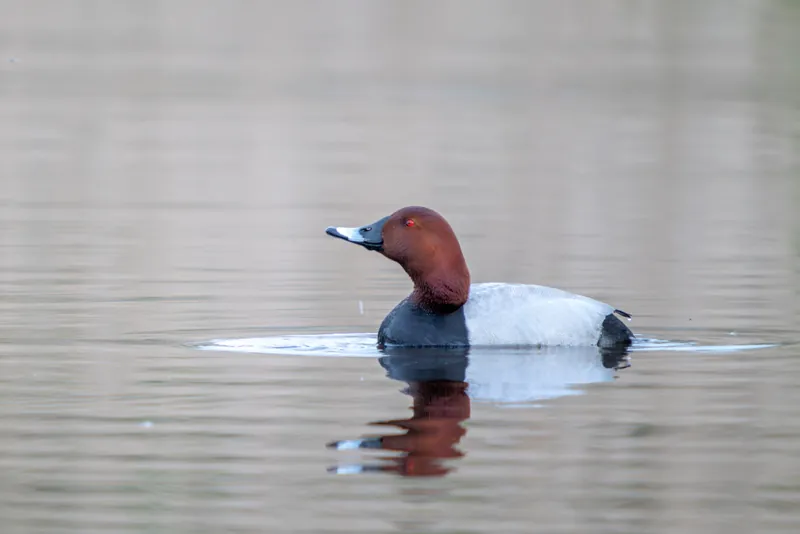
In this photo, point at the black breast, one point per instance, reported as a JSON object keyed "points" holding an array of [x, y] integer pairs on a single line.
{"points": [[409, 325]]}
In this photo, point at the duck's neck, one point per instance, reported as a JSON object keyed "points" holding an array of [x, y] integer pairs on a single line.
{"points": [[443, 290]]}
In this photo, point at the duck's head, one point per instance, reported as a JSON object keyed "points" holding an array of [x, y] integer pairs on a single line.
{"points": [[424, 244]]}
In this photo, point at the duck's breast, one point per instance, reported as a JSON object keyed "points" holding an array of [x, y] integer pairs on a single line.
{"points": [[518, 314], [409, 325]]}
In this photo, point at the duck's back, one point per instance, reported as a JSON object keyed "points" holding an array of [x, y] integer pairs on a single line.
{"points": [[518, 314]]}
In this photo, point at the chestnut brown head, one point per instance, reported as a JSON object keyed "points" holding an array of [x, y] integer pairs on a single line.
{"points": [[424, 244]]}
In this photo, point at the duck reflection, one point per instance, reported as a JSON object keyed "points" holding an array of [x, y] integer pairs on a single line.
{"points": [[442, 383], [437, 384]]}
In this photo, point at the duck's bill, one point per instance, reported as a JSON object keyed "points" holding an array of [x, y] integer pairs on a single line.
{"points": [[369, 236]]}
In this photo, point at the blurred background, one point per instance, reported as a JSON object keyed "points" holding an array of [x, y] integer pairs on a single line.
{"points": [[167, 170]]}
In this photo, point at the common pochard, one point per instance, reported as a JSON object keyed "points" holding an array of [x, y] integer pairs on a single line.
{"points": [[445, 310]]}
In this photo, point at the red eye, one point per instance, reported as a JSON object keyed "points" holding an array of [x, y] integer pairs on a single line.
{"points": [[410, 222]]}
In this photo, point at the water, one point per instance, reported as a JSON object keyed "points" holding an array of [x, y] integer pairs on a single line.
{"points": [[166, 174]]}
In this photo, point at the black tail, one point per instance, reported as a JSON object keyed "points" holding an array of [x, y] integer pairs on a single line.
{"points": [[614, 333]]}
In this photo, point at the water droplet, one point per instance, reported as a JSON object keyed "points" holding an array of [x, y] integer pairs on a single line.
{"points": [[146, 424], [361, 307]]}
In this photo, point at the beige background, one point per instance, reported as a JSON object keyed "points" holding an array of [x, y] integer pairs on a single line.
{"points": [[166, 173]]}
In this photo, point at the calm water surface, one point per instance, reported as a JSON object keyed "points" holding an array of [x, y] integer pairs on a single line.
{"points": [[166, 173]]}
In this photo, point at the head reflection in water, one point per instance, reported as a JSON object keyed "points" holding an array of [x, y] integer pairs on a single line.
{"points": [[438, 384]]}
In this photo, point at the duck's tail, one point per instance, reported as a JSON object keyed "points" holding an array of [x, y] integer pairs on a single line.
{"points": [[623, 314], [614, 333]]}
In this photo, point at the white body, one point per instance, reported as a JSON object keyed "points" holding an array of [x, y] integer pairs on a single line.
{"points": [[518, 314]]}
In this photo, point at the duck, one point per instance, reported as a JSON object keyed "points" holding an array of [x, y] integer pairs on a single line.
{"points": [[445, 309]]}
